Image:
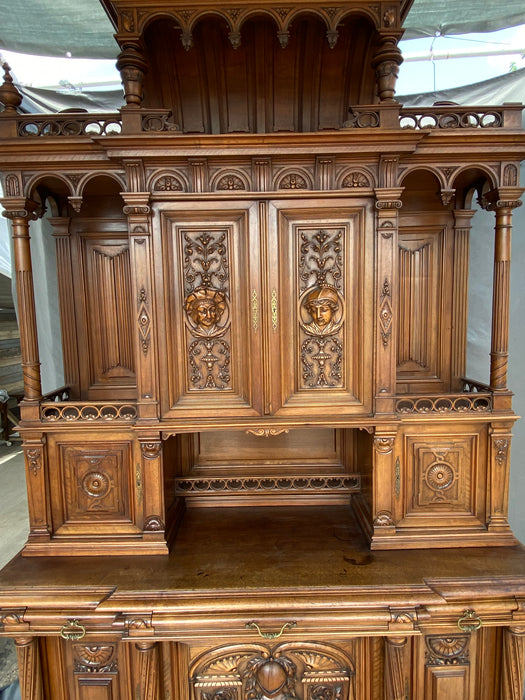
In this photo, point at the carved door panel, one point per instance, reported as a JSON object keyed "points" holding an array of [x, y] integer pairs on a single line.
{"points": [[211, 310], [321, 331], [104, 317]]}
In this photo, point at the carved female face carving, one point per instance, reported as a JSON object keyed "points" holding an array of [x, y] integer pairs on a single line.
{"points": [[206, 308], [323, 306]]}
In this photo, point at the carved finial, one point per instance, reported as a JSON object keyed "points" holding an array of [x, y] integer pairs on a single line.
{"points": [[9, 95]]}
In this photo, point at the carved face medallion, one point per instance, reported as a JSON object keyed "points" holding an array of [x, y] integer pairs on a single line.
{"points": [[321, 311], [207, 312]]}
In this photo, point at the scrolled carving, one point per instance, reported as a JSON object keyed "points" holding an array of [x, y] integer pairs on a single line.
{"points": [[151, 449], [385, 313], [144, 321], [384, 445], [154, 523], [384, 519]]}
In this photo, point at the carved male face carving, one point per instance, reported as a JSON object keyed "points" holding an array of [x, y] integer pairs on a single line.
{"points": [[206, 308]]}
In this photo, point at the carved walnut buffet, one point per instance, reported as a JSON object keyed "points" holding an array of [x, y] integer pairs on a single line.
{"points": [[262, 265]]}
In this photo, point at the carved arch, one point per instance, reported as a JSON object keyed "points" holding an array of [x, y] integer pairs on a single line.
{"points": [[40, 179], [433, 171], [491, 175], [109, 175]]}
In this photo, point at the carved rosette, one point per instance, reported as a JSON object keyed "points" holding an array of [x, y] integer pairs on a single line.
{"points": [[384, 519], [207, 308], [321, 307], [289, 670]]}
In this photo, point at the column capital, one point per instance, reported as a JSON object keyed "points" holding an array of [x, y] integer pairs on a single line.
{"points": [[502, 198], [19, 208]]}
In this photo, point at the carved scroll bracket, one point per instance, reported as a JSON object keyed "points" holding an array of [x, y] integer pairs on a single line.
{"points": [[388, 198], [502, 198]]}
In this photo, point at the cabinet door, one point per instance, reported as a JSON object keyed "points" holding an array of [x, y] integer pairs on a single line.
{"points": [[320, 300], [212, 347]]}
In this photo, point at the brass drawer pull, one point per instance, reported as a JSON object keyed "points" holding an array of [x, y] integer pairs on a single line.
{"points": [[73, 630], [470, 621], [270, 635]]}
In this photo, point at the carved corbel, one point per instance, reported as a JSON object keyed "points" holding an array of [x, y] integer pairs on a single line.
{"points": [[76, 203], [446, 196]]}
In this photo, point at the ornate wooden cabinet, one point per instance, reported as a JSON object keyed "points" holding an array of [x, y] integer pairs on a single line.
{"points": [[262, 271]]}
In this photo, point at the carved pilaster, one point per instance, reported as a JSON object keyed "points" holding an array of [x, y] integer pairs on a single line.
{"points": [[500, 439], [501, 201], [262, 174], [462, 223], [36, 481], [397, 668], [324, 172], [62, 236], [383, 486], [29, 668], [20, 211], [199, 172], [513, 663], [152, 487], [387, 206], [137, 210]]}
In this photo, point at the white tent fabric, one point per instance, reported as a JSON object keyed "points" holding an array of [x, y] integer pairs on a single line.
{"points": [[83, 29]]}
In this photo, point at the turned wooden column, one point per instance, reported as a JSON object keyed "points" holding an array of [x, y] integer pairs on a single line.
{"points": [[29, 668], [20, 211], [386, 62], [502, 202], [513, 663]]}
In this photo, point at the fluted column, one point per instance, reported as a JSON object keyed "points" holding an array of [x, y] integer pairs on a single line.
{"points": [[502, 201], [397, 668], [29, 668], [147, 679], [513, 663], [20, 211], [462, 225]]}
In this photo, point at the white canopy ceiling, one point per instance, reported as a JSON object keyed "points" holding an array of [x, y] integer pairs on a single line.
{"points": [[59, 27]]}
